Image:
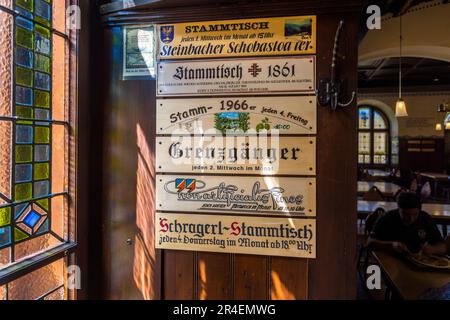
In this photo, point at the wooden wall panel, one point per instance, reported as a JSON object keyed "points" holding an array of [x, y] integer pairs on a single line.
{"points": [[251, 277], [332, 274], [138, 271]]}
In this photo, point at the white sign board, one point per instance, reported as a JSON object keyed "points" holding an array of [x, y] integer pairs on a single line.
{"points": [[238, 115], [237, 76], [229, 194], [237, 155], [237, 234]]}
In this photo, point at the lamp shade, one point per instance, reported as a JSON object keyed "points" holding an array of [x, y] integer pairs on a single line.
{"points": [[438, 127], [447, 126], [400, 108]]}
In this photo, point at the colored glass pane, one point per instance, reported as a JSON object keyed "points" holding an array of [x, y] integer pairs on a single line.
{"points": [[24, 38], [43, 203], [41, 153], [41, 188], [24, 134], [26, 4], [24, 154], [24, 77], [5, 236], [42, 9], [24, 57], [41, 99], [5, 216], [24, 112], [25, 23], [378, 121], [23, 173], [42, 31], [31, 219], [42, 63], [42, 135], [24, 96], [364, 118], [19, 235], [42, 44], [41, 171], [23, 191], [41, 81]]}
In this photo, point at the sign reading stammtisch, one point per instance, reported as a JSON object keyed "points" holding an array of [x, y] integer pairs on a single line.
{"points": [[239, 115], [236, 234], [237, 76], [237, 38], [285, 196]]}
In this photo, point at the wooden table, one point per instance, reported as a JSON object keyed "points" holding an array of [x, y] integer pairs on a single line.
{"points": [[388, 189], [378, 173], [406, 280], [439, 212]]}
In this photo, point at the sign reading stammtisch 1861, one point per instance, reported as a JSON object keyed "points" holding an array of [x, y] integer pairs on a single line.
{"points": [[240, 115], [237, 38], [236, 234], [237, 76], [232, 195], [238, 155]]}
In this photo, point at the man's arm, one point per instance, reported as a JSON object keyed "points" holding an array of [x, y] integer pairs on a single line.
{"points": [[435, 244], [389, 246]]}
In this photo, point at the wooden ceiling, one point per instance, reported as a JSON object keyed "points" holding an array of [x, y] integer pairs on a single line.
{"points": [[416, 72]]}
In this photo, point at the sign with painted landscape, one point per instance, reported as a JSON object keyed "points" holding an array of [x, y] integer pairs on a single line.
{"points": [[233, 195], [239, 115], [236, 234], [237, 38], [237, 76], [265, 155]]}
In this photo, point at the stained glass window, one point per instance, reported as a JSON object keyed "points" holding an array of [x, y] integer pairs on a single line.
{"points": [[34, 135], [373, 137]]}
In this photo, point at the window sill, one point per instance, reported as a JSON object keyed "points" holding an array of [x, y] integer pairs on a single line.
{"points": [[31, 264]]}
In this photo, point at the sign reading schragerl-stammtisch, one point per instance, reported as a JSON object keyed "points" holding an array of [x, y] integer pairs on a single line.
{"points": [[237, 76], [237, 155], [240, 115], [284, 196], [238, 38], [235, 234]]}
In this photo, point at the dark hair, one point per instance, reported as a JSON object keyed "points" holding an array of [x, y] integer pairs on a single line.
{"points": [[409, 200]]}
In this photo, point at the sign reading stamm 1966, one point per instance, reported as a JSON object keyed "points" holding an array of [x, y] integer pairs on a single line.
{"points": [[285, 196], [266, 155], [237, 38], [236, 234], [237, 76], [239, 115]]}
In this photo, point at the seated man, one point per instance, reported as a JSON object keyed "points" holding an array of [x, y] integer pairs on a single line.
{"points": [[407, 229]]}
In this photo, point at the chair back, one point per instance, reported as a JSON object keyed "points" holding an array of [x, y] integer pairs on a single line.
{"points": [[372, 218]]}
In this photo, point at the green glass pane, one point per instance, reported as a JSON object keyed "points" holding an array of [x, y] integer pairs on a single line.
{"points": [[43, 203], [24, 77], [41, 99], [24, 112], [25, 38], [41, 135], [5, 216], [26, 4], [19, 235], [42, 31], [22, 192], [41, 63], [41, 171], [24, 154], [42, 21]]}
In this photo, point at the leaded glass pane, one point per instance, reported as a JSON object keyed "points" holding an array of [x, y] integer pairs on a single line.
{"points": [[364, 118], [378, 121]]}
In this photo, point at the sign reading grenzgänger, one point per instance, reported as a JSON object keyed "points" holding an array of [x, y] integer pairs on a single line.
{"points": [[238, 38], [237, 76]]}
